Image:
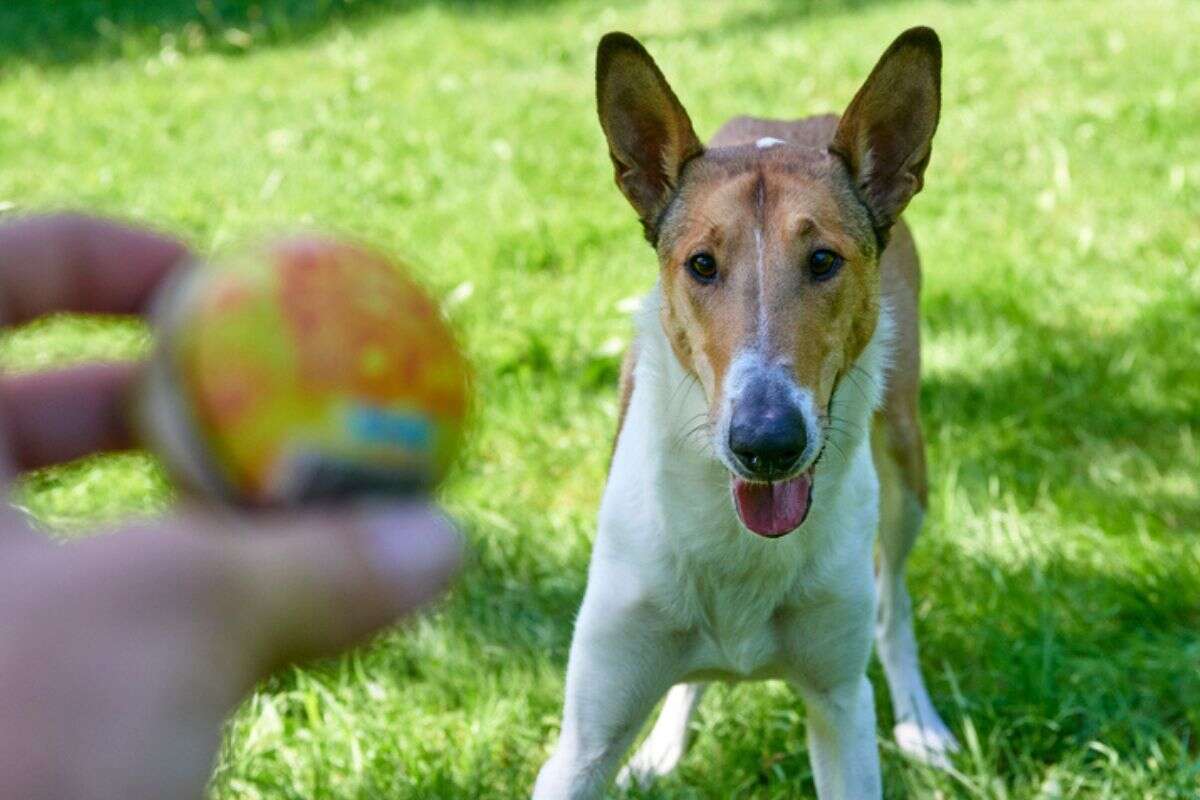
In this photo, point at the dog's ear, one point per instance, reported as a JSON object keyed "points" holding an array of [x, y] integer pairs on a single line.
{"points": [[886, 133], [649, 134]]}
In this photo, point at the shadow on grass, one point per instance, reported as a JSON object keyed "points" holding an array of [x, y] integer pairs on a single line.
{"points": [[1090, 419], [783, 14], [66, 32], [72, 31], [1074, 652], [1053, 653], [1054, 664]]}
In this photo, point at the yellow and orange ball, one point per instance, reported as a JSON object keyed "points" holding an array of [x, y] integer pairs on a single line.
{"points": [[305, 370]]}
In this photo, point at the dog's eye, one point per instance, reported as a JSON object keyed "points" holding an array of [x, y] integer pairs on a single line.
{"points": [[824, 264], [703, 267]]}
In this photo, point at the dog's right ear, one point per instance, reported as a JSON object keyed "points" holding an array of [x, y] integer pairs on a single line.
{"points": [[649, 134]]}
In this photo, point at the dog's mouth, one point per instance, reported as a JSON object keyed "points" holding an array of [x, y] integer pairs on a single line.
{"points": [[776, 508]]}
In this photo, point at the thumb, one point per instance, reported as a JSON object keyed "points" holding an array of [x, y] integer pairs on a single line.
{"points": [[307, 585]]}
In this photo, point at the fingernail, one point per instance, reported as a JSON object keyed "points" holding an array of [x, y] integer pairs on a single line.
{"points": [[415, 550]]}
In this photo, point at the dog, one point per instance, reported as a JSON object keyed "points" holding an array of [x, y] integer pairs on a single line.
{"points": [[768, 428]]}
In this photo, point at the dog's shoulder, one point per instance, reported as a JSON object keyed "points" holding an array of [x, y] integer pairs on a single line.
{"points": [[625, 391]]}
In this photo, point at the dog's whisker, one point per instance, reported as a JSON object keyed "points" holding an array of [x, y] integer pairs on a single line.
{"points": [[832, 427], [858, 368], [841, 452], [844, 421], [679, 393], [866, 395], [690, 427]]}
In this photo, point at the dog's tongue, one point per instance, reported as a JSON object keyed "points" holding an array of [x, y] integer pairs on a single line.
{"points": [[773, 509]]}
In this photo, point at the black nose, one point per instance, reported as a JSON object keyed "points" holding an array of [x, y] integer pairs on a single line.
{"points": [[766, 433]]}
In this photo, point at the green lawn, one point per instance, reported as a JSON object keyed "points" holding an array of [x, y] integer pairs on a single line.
{"points": [[1058, 584]]}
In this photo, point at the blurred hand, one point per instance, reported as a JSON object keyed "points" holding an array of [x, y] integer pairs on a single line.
{"points": [[121, 655]]}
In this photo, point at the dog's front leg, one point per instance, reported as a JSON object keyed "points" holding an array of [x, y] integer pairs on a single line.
{"points": [[621, 663], [833, 644], [841, 741]]}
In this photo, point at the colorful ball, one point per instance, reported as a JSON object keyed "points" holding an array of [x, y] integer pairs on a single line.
{"points": [[305, 370]]}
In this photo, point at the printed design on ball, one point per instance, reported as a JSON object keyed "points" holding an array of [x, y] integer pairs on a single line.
{"points": [[362, 326], [318, 369], [372, 425], [306, 476]]}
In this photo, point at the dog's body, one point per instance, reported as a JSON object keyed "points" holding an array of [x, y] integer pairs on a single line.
{"points": [[679, 591]]}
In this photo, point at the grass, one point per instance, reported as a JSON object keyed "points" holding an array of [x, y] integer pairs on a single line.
{"points": [[1058, 581]]}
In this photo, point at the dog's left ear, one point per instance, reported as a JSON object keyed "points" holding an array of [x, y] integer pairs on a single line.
{"points": [[886, 134], [650, 136]]}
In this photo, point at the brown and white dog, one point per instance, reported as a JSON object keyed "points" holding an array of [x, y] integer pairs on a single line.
{"points": [[768, 428]]}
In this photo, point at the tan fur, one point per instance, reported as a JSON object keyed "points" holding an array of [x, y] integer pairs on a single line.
{"points": [[828, 333], [815, 131], [740, 201], [900, 416], [625, 392]]}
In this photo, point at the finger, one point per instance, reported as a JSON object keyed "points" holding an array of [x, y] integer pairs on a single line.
{"points": [[51, 417], [70, 262], [310, 585]]}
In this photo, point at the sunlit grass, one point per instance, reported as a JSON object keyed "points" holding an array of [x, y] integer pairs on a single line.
{"points": [[1058, 585]]}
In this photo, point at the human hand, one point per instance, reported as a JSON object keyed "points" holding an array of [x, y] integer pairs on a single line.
{"points": [[121, 655]]}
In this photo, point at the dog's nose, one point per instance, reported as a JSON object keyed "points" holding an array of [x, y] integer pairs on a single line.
{"points": [[767, 433]]}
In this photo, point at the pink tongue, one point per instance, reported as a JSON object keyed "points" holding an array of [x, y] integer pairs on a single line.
{"points": [[773, 509]]}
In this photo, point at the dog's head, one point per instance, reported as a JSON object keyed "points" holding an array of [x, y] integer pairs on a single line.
{"points": [[769, 254]]}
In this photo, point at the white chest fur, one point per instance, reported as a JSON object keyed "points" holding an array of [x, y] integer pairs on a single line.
{"points": [[670, 544]]}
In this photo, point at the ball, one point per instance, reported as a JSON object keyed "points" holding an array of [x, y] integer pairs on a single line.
{"points": [[303, 370]]}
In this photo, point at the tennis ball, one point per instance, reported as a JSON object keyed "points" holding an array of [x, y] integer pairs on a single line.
{"points": [[303, 370]]}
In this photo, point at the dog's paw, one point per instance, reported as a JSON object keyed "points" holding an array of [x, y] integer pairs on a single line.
{"points": [[629, 778], [931, 743], [648, 765]]}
